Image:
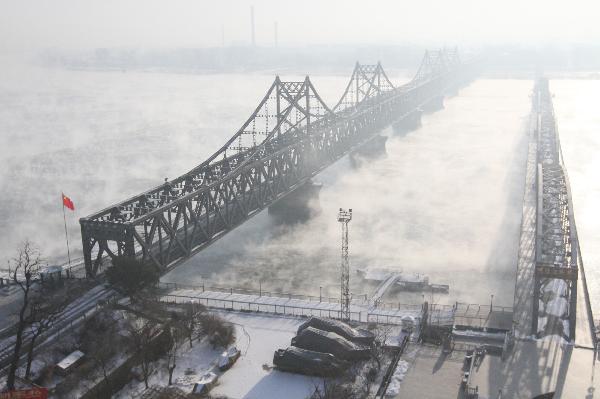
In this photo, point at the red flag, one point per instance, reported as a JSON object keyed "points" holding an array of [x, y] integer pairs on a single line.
{"points": [[68, 203]]}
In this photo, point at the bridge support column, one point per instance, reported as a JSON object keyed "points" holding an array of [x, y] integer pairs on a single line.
{"points": [[434, 104], [410, 121], [372, 149], [299, 205]]}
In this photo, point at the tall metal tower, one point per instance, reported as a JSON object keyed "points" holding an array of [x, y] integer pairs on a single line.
{"points": [[344, 217]]}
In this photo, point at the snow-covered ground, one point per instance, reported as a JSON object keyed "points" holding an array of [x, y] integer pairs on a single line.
{"points": [[258, 337], [191, 364]]}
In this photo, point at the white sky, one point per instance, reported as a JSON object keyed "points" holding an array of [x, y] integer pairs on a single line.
{"points": [[30, 24]]}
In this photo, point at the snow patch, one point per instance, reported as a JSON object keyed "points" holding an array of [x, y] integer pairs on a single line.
{"points": [[397, 378]]}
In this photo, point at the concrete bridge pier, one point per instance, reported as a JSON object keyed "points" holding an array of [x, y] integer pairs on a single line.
{"points": [[434, 104], [372, 149], [299, 205], [410, 121]]}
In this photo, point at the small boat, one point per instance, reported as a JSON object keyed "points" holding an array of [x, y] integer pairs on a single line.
{"points": [[415, 282]]}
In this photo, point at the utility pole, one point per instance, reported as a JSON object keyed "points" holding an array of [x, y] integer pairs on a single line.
{"points": [[344, 217]]}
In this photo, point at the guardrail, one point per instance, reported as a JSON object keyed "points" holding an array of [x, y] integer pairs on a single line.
{"points": [[252, 306], [245, 291]]}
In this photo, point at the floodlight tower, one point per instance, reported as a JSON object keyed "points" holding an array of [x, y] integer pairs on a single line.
{"points": [[344, 217]]}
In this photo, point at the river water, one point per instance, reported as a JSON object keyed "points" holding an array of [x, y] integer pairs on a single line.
{"points": [[445, 200]]}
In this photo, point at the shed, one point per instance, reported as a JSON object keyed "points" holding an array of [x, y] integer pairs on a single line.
{"points": [[70, 362]]}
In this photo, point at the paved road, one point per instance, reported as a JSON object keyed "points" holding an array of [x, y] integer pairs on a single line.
{"points": [[73, 314]]}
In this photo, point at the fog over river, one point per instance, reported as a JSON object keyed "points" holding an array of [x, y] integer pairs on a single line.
{"points": [[445, 201]]}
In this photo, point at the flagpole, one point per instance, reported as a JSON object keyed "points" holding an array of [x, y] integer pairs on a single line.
{"points": [[62, 199]]}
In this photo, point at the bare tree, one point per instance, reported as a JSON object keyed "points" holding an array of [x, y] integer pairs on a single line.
{"points": [[382, 333], [188, 320], [44, 311], [24, 271], [101, 356], [332, 388], [100, 342], [176, 340], [142, 334]]}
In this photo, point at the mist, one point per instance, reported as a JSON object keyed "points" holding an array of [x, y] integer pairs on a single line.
{"points": [[186, 23], [102, 100]]}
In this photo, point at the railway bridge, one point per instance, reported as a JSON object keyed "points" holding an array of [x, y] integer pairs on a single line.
{"points": [[290, 137], [558, 278]]}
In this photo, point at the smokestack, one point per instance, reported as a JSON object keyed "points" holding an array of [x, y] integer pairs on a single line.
{"points": [[276, 38], [252, 25]]}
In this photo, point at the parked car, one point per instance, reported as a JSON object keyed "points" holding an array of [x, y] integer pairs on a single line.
{"points": [[228, 358], [308, 362]]}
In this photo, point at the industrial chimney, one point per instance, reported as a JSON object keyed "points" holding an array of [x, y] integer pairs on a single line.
{"points": [[252, 25]]}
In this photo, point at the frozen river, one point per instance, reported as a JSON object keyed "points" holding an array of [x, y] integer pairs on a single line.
{"points": [[445, 201]]}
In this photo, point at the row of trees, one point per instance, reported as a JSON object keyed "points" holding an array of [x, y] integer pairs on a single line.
{"points": [[40, 307]]}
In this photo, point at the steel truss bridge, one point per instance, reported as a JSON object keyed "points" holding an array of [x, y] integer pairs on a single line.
{"points": [[290, 137], [557, 256]]}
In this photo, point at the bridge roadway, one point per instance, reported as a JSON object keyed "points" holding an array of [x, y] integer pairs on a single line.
{"points": [[291, 136], [548, 364]]}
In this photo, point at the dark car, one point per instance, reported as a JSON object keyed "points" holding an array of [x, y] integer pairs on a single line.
{"points": [[328, 342], [302, 361], [358, 336]]}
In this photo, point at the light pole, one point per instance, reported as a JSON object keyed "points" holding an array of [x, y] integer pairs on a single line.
{"points": [[344, 217], [491, 302], [320, 294]]}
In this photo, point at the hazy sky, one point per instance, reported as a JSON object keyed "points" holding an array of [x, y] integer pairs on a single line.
{"points": [[28, 24]]}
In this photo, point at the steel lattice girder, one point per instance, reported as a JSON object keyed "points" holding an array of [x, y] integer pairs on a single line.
{"points": [[175, 220], [556, 250]]}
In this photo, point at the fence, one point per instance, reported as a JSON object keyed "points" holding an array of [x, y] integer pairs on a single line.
{"points": [[361, 299], [246, 291], [252, 306], [399, 320], [382, 313]]}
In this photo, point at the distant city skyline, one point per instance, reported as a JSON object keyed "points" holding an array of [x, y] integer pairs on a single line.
{"points": [[71, 24]]}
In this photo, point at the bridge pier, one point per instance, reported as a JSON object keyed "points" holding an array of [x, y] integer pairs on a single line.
{"points": [[434, 104], [372, 149], [410, 121], [299, 205]]}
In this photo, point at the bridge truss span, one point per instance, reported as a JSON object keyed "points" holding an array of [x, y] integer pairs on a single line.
{"points": [[290, 137], [557, 258]]}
